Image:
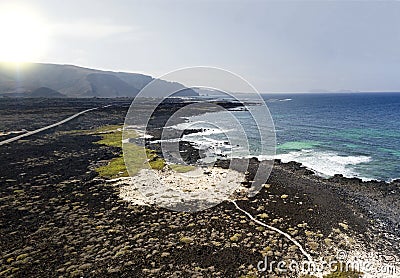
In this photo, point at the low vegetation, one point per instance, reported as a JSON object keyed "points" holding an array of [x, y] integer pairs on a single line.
{"points": [[113, 139], [338, 274], [181, 168], [344, 274], [134, 156], [138, 158], [114, 169]]}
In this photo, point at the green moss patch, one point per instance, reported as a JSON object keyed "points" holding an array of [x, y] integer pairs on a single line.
{"points": [[111, 139], [114, 169], [109, 128], [181, 168], [135, 156]]}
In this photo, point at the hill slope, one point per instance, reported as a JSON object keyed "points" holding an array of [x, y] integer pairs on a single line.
{"points": [[46, 93], [74, 81]]}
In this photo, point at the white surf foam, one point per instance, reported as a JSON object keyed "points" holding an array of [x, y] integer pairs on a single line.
{"points": [[393, 179], [278, 100], [326, 163]]}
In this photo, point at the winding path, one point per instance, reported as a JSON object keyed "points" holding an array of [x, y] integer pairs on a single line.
{"points": [[305, 253], [29, 133]]}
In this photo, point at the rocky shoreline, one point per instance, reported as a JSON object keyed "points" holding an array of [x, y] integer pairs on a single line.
{"points": [[58, 218]]}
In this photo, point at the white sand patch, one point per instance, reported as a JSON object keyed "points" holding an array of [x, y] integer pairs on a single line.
{"points": [[195, 190]]}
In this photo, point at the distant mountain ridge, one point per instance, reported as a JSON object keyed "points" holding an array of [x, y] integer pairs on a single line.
{"points": [[77, 82], [47, 93]]}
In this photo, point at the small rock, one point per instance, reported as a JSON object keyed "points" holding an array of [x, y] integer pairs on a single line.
{"points": [[235, 237], [328, 241], [186, 239], [344, 226], [263, 215], [313, 245]]}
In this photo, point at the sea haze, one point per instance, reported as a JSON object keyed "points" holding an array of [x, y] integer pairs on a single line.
{"points": [[354, 134]]}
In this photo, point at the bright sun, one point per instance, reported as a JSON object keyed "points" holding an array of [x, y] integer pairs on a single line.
{"points": [[23, 35]]}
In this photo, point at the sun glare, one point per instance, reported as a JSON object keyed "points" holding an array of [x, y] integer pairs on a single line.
{"points": [[23, 35]]}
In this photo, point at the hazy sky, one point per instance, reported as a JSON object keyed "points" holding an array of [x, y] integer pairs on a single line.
{"points": [[276, 45]]}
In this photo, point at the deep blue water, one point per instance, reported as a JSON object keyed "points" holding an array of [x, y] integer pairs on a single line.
{"points": [[355, 134]]}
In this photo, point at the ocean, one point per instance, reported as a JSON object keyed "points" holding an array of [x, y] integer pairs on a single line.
{"points": [[354, 134]]}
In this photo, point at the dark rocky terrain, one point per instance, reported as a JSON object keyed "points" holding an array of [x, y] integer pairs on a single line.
{"points": [[58, 218]]}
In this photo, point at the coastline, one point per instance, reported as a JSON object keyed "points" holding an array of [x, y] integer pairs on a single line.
{"points": [[370, 208], [58, 216]]}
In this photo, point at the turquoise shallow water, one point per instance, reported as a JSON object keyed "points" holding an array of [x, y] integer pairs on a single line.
{"points": [[352, 134], [357, 134]]}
